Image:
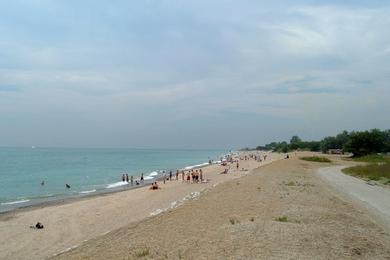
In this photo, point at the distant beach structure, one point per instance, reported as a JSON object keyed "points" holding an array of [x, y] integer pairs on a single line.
{"points": [[335, 151]]}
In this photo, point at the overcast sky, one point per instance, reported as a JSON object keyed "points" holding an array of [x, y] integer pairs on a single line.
{"points": [[190, 74]]}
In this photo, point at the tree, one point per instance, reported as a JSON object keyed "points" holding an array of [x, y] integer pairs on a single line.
{"points": [[367, 142], [295, 142]]}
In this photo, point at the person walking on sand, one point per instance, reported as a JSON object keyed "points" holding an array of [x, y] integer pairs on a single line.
{"points": [[170, 175]]}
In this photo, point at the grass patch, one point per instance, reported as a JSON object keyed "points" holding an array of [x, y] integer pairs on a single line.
{"points": [[291, 183], [376, 172], [373, 158], [316, 159], [282, 219], [144, 252], [233, 221]]}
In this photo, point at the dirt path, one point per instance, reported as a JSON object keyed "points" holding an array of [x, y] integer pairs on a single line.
{"points": [[280, 211], [375, 198]]}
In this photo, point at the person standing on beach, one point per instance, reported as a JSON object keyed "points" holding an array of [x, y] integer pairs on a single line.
{"points": [[170, 175], [131, 180], [182, 175], [142, 177], [123, 178], [127, 178], [238, 166], [201, 175], [177, 175]]}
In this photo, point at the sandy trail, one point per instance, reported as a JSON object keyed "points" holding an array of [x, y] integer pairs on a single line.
{"points": [[375, 198], [279, 211], [70, 224]]}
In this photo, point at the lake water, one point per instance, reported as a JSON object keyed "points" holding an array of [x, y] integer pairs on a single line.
{"points": [[87, 171]]}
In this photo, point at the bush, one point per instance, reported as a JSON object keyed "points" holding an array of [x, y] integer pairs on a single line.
{"points": [[316, 159]]}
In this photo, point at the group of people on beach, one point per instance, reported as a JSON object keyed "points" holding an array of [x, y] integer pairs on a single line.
{"points": [[125, 178]]}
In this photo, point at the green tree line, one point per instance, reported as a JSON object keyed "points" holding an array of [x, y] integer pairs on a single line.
{"points": [[359, 143]]}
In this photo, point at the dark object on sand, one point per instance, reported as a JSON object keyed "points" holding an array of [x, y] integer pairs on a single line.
{"points": [[39, 225], [67, 186]]}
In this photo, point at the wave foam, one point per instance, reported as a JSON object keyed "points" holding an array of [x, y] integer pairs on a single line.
{"points": [[117, 184], [87, 191], [196, 166], [15, 202]]}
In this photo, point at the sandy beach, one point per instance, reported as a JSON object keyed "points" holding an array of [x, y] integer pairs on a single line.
{"points": [[70, 224], [283, 210]]}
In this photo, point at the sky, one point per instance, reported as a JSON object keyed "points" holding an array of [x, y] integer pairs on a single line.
{"points": [[190, 74]]}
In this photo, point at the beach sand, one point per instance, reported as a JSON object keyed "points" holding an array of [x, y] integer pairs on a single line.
{"points": [[70, 224], [280, 211]]}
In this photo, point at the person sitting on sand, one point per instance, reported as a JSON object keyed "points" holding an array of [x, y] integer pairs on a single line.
{"points": [[39, 225], [154, 186]]}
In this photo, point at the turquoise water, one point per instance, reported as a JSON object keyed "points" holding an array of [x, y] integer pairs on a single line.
{"points": [[87, 171]]}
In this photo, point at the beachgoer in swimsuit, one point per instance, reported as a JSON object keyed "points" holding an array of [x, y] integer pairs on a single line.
{"points": [[127, 178]]}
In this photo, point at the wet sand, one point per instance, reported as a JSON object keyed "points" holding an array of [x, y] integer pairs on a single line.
{"points": [[70, 224], [280, 211]]}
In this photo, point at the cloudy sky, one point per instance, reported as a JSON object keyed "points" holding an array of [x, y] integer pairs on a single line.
{"points": [[190, 74]]}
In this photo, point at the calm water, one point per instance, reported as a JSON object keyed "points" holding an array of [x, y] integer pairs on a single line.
{"points": [[87, 170]]}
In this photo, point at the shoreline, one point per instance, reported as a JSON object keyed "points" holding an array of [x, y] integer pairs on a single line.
{"points": [[59, 199], [71, 222]]}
